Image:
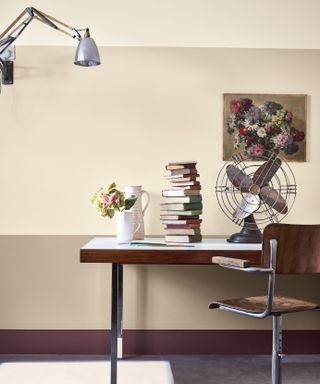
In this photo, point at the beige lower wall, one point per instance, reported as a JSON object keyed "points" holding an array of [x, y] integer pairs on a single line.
{"points": [[43, 286], [66, 130]]}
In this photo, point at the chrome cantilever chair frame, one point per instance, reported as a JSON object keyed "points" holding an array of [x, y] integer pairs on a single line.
{"points": [[277, 354], [277, 320]]}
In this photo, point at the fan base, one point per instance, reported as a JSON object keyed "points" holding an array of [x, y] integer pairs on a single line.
{"points": [[250, 233], [248, 237]]}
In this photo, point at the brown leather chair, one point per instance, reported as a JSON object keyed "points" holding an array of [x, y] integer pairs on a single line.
{"points": [[286, 249]]}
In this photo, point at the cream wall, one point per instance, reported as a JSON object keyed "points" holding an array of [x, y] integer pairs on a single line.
{"points": [[67, 130], [178, 23]]}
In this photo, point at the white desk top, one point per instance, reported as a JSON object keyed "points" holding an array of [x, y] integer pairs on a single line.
{"points": [[99, 243]]}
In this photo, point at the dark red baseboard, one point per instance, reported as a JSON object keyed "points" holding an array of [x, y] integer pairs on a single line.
{"points": [[155, 342]]}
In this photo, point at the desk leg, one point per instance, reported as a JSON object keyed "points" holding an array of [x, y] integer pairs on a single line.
{"points": [[116, 318], [120, 306]]}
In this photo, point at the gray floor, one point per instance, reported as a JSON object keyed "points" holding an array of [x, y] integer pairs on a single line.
{"points": [[217, 369], [243, 369]]}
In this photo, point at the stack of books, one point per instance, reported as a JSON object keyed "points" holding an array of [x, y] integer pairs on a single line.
{"points": [[182, 207]]}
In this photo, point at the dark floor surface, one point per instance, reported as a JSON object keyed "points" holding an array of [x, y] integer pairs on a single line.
{"points": [[302, 369]]}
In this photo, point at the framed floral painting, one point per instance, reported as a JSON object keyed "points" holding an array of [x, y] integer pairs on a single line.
{"points": [[258, 124]]}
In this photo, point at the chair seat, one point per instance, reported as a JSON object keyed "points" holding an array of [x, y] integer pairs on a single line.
{"points": [[258, 304]]}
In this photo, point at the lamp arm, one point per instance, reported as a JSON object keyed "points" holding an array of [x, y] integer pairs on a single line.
{"points": [[49, 20], [12, 24], [33, 13]]}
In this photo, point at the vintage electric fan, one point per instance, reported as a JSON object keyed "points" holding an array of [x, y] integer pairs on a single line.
{"points": [[253, 194]]}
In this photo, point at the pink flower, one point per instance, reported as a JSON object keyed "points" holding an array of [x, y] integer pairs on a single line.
{"points": [[283, 139], [114, 197], [106, 199], [234, 106], [288, 116], [109, 199], [256, 150]]}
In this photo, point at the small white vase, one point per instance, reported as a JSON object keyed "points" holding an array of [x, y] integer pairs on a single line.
{"points": [[125, 226]]}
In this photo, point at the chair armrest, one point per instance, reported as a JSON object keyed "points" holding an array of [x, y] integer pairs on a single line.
{"points": [[238, 264], [230, 262]]}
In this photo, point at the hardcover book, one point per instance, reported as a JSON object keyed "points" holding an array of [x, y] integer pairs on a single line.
{"points": [[179, 219], [180, 165], [181, 226], [192, 187], [183, 231], [183, 238], [185, 183], [181, 207], [184, 171], [184, 213], [180, 192], [184, 199], [182, 177]]}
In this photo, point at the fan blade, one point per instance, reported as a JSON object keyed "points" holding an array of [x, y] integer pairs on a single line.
{"points": [[249, 204], [274, 199], [266, 171], [239, 179]]}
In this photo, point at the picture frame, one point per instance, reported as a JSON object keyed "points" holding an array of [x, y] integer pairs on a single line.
{"points": [[258, 123]]}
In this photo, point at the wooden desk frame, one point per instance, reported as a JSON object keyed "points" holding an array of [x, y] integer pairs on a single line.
{"points": [[106, 250]]}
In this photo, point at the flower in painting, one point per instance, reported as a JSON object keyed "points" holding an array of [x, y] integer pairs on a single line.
{"points": [[236, 140], [271, 107], [253, 114], [291, 149], [289, 116], [253, 127], [283, 139], [269, 128], [232, 123], [256, 150], [243, 130], [234, 106], [278, 118], [245, 103], [299, 136], [261, 132]]}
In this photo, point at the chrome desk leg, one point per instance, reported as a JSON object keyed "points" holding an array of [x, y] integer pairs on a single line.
{"points": [[116, 319], [120, 306]]}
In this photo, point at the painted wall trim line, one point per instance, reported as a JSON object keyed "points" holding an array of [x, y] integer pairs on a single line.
{"points": [[155, 342]]}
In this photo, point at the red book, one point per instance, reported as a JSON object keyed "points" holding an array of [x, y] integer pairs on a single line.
{"points": [[181, 226]]}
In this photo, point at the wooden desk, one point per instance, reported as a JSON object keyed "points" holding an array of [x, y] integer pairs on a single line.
{"points": [[106, 250]]}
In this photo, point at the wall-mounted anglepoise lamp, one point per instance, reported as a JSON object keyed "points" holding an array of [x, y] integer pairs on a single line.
{"points": [[87, 54]]}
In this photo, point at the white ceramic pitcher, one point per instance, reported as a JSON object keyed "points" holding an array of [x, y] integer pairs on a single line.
{"points": [[137, 209]]}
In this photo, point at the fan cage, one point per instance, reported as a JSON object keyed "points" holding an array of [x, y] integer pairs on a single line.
{"points": [[229, 197]]}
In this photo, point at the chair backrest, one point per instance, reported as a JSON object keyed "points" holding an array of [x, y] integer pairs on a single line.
{"points": [[298, 247]]}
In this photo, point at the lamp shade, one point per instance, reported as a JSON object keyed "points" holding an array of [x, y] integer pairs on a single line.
{"points": [[87, 54]]}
